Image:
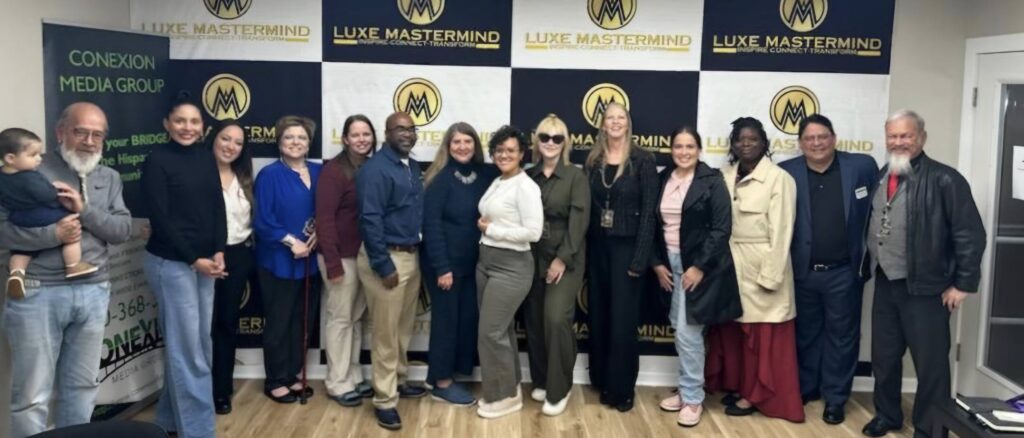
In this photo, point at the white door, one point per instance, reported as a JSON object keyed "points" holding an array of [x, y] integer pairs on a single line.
{"points": [[991, 324]]}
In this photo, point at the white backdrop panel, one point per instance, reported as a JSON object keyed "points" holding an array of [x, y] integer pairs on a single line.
{"points": [[857, 105], [235, 29], [562, 34], [476, 95]]}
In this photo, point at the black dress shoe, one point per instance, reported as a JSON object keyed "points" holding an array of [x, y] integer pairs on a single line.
{"points": [[876, 428], [730, 399], [625, 405], [285, 399], [605, 398], [736, 411], [834, 414], [222, 406], [307, 392]]}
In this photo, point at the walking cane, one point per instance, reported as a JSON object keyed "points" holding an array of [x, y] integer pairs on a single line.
{"points": [[305, 333]]}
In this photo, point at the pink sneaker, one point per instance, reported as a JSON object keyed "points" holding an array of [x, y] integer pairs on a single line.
{"points": [[690, 415], [671, 404]]}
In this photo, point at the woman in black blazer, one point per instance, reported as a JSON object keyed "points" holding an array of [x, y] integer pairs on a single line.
{"points": [[693, 262], [624, 191]]}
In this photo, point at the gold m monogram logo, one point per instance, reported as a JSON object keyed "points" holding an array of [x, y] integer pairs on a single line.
{"points": [[598, 98], [611, 14], [790, 106], [226, 96], [228, 9], [420, 99], [420, 12], [803, 15]]}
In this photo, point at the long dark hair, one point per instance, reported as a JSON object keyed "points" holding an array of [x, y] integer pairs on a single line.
{"points": [[347, 158], [242, 166], [734, 136]]}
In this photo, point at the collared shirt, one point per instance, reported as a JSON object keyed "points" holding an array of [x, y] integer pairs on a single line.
{"points": [[390, 197], [828, 217], [239, 212]]}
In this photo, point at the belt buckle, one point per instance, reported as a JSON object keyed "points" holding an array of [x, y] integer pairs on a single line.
{"points": [[818, 267]]}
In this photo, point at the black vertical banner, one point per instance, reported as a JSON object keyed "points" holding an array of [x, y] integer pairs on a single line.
{"points": [[125, 74]]}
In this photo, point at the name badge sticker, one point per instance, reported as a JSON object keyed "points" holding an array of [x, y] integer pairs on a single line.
{"points": [[861, 192]]}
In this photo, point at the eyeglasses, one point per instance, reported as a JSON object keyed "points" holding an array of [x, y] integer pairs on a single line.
{"points": [[556, 139], [404, 129], [506, 151], [81, 134]]}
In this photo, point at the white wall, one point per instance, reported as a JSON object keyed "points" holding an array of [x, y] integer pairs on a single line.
{"points": [[21, 90]]}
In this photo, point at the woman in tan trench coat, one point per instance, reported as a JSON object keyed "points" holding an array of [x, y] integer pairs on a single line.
{"points": [[754, 358]]}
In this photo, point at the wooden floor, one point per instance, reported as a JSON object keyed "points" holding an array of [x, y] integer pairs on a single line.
{"points": [[256, 416]]}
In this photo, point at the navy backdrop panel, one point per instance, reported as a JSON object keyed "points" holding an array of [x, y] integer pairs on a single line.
{"points": [[267, 91], [760, 26], [122, 72], [360, 31], [659, 101]]}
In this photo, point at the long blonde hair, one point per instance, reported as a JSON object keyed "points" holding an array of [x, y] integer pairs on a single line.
{"points": [[444, 151], [552, 123], [598, 153]]}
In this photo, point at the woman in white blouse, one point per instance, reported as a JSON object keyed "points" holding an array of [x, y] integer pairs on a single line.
{"points": [[234, 162], [511, 217]]}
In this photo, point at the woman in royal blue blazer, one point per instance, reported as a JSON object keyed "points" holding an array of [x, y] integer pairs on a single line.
{"points": [[285, 240]]}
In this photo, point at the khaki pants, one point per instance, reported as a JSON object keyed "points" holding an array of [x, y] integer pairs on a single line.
{"points": [[393, 312], [344, 308]]}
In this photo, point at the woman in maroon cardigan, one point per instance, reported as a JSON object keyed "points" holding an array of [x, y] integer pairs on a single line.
{"points": [[338, 235]]}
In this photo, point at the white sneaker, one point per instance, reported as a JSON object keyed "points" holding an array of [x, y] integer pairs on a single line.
{"points": [[500, 408], [539, 394], [552, 410]]}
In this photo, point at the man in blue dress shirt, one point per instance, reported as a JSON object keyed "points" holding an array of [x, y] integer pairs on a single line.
{"points": [[390, 191]]}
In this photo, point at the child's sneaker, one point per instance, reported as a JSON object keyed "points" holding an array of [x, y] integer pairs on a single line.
{"points": [[79, 269], [16, 285]]}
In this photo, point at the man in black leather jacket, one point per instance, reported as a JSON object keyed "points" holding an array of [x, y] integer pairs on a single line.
{"points": [[924, 245]]}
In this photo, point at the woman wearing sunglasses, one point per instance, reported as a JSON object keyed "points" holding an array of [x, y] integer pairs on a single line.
{"points": [[561, 257]]}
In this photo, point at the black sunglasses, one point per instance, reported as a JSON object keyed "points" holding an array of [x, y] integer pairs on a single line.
{"points": [[556, 139]]}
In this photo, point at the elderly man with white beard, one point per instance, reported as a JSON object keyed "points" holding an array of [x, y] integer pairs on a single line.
{"points": [[925, 240], [56, 331]]}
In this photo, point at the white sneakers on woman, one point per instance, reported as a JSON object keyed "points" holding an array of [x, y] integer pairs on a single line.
{"points": [[539, 394], [552, 410]]}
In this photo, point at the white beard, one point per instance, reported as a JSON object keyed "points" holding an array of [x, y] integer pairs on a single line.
{"points": [[81, 165], [899, 164]]}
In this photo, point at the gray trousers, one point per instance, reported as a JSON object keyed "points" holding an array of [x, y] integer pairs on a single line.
{"points": [[503, 279]]}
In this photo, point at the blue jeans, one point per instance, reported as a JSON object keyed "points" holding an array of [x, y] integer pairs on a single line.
{"points": [[185, 298], [56, 337], [689, 340]]}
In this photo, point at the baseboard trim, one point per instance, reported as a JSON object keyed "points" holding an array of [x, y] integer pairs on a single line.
{"points": [[653, 372]]}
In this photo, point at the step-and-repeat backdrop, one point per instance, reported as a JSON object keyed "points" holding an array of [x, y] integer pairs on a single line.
{"points": [[671, 63]]}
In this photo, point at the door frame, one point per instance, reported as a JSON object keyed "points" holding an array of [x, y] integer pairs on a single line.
{"points": [[975, 48]]}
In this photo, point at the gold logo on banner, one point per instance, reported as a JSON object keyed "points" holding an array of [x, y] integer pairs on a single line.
{"points": [[420, 12], [598, 98], [803, 15], [790, 106], [228, 9], [611, 14], [420, 99], [226, 96]]}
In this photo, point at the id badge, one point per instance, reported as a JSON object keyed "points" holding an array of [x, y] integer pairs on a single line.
{"points": [[607, 218], [546, 232]]}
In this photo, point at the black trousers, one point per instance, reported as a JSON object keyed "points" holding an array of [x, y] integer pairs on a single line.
{"points": [[283, 352], [828, 333], [901, 320], [227, 300], [613, 302], [454, 315]]}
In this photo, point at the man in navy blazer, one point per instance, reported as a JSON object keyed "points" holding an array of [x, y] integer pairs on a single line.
{"points": [[832, 206]]}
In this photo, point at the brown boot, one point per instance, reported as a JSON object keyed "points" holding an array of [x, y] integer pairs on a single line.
{"points": [[79, 269], [16, 285]]}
